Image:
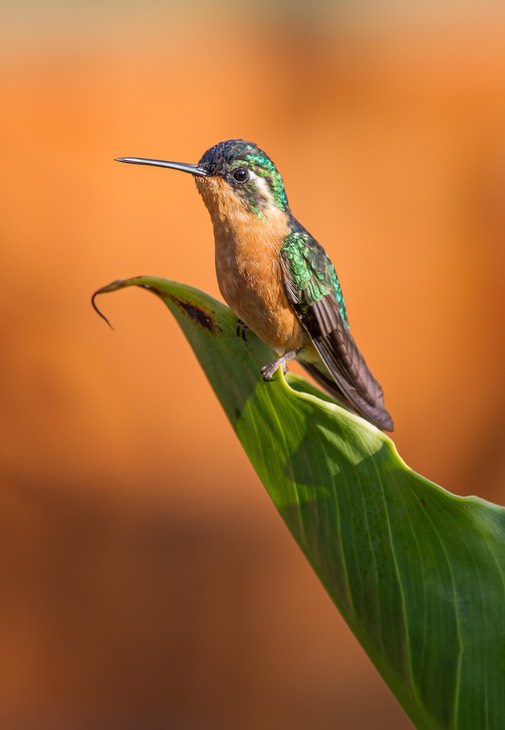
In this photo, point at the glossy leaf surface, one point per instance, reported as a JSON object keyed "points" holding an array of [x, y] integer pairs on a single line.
{"points": [[418, 573]]}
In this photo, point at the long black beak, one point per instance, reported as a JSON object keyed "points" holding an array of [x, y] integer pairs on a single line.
{"points": [[183, 166]]}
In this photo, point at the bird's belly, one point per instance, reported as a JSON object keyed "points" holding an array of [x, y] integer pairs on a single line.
{"points": [[253, 288]]}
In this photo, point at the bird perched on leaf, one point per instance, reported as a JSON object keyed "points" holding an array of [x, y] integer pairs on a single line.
{"points": [[276, 277]]}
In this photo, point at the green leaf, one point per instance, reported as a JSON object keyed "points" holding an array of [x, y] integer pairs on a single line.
{"points": [[418, 573]]}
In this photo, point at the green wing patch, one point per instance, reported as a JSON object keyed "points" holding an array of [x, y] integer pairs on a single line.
{"points": [[311, 274]]}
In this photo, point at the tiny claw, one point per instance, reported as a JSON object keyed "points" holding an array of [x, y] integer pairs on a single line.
{"points": [[241, 329], [95, 307], [267, 371]]}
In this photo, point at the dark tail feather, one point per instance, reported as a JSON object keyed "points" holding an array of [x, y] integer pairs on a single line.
{"points": [[375, 414]]}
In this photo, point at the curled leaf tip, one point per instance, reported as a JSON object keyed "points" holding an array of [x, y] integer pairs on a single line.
{"points": [[95, 306]]}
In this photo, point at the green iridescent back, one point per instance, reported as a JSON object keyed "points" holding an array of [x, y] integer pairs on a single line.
{"points": [[311, 271]]}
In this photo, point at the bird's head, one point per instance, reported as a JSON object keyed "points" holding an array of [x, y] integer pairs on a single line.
{"points": [[234, 178]]}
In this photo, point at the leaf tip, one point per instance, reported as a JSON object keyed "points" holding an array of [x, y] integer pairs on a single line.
{"points": [[105, 289]]}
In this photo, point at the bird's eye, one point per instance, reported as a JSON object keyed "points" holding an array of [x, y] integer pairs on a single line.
{"points": [[241, 175]]}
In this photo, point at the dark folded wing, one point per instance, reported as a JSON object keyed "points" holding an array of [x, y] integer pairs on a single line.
{"points": [[319, 306]]}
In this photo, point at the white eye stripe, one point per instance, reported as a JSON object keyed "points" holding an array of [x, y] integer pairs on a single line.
{"points": [[261, 184]]}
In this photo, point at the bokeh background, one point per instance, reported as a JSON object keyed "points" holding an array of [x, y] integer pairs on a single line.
{"points": [[145, 579]]}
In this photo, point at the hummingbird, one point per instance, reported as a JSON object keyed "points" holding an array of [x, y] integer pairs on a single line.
{"points": [[275, 276]]}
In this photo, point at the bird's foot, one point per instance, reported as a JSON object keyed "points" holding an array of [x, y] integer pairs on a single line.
{"points": [[267, 371], [241, 329]]}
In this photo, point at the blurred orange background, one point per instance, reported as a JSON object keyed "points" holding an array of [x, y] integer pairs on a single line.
{"points": [[146, 579]]}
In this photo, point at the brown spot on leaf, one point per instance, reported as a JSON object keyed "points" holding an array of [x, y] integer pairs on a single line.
{"points": [[200, 317], [194, 312]]}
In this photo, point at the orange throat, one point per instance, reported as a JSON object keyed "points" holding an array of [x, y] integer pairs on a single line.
{"points": [[248, 264]]}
